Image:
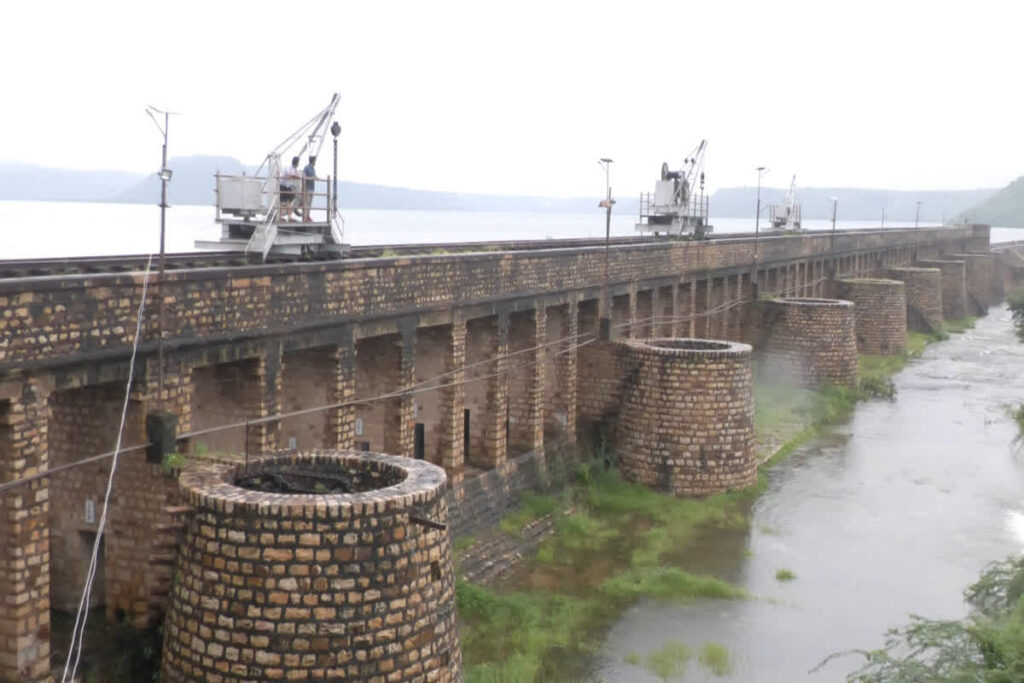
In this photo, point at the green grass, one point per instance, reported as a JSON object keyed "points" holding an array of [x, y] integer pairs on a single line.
{"points": [[716, 657], [532, 507], [667, 583], [959, 326], [668, 661], [785, 574], [462, 544]]}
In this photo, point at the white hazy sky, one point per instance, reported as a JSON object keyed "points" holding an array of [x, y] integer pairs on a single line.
{"points": [[522, 97]]}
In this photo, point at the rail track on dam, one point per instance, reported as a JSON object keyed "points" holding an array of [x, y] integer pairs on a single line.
{"points": [[11, 269]]}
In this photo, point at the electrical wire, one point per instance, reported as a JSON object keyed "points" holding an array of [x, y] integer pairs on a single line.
{"points": [[78, 632], [425, 385]]}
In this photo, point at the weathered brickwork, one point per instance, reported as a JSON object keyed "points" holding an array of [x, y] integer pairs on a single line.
{"points": [[980, 277], [924, 296], [954, 287], [809, 341], [49, 317], [347, 587], [24, 536], [240, 341], [686, 425], [880, 314]]}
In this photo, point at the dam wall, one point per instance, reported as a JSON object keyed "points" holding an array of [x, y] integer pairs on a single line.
{"points": [[473, 362]]}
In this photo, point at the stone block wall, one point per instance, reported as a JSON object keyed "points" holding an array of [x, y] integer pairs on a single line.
{"points": [[880, 314], [296, 587], [24, 536], [50, 317], [954, 287], [686, 425], [980, 277], [809, 341], [924, 296]]}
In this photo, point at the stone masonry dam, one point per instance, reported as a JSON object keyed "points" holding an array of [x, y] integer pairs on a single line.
{"points": [[485, 365]]}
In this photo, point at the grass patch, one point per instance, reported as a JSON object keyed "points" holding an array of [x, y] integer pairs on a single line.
{"points": [[462, 544], [532, 507], [668, 661], [716, 658], [510, 633], [785, 574], [667, 583], [959, 326]]}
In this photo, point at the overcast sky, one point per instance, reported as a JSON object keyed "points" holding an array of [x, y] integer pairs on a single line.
{"points": [[523, 97]]}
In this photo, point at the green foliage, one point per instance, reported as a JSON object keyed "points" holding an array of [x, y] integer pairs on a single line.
{"points": [[462, 544], [173, 461], [986, 646], [201, 449], [668, 583], [784, 574], [959, 326], [716, 657], [532, 507], [668, 661], [510, 633], [1015, 301]]}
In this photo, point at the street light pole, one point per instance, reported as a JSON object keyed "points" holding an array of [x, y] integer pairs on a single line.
{"points": [[832, 246], [165, 177], [606, 325], [335, 131], [761, 170]]}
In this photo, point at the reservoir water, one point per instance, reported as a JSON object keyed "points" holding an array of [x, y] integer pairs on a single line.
{"points": [[30, 229], [893, 513]]}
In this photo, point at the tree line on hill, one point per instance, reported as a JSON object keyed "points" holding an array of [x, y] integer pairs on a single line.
{"points": [[193, 184]]}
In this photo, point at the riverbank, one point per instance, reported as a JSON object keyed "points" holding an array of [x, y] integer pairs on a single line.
{"points": [[615, 543]]}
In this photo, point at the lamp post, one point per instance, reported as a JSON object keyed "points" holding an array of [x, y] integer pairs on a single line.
{"points": [[165, 177], [606, 204], [761, 170], [832, 245], [335, 131]]}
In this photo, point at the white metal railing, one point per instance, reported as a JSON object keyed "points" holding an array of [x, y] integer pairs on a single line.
{"points": [[696, 207]]}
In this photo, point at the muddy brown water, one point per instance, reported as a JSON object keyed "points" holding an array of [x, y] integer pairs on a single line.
{"points": [[891, 514]]}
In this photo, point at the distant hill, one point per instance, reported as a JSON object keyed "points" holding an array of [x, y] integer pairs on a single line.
{"points": [[193, 184], [854, 203], [28, 181], [1004, 208]]}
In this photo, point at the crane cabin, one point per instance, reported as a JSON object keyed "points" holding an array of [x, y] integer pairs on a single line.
{"points": [[677, 206], [283, 209]]}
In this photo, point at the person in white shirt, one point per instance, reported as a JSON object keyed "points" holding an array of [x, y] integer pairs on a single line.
{"points": [[289, 184]]}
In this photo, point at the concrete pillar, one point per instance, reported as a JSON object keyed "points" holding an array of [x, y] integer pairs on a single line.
{"points": [[880, 314], [566, 365], [924, 296], [954, 287], [265, 437], [399, 420], [672, 311], [341, 420], [633, 316], [702, 292], [496, 428], [24, 535], [453, 404], [526, 381]]}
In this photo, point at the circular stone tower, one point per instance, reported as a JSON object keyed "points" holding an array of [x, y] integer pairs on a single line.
{"points": [[686, 425], [810, 341], [353, 581], [880, 313]]}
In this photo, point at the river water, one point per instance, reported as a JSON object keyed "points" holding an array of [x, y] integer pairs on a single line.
{"points": [[893, 513], [30, 229]]}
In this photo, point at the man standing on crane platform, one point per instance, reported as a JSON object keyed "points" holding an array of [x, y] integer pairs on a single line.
{"points": [[307, 187]]}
